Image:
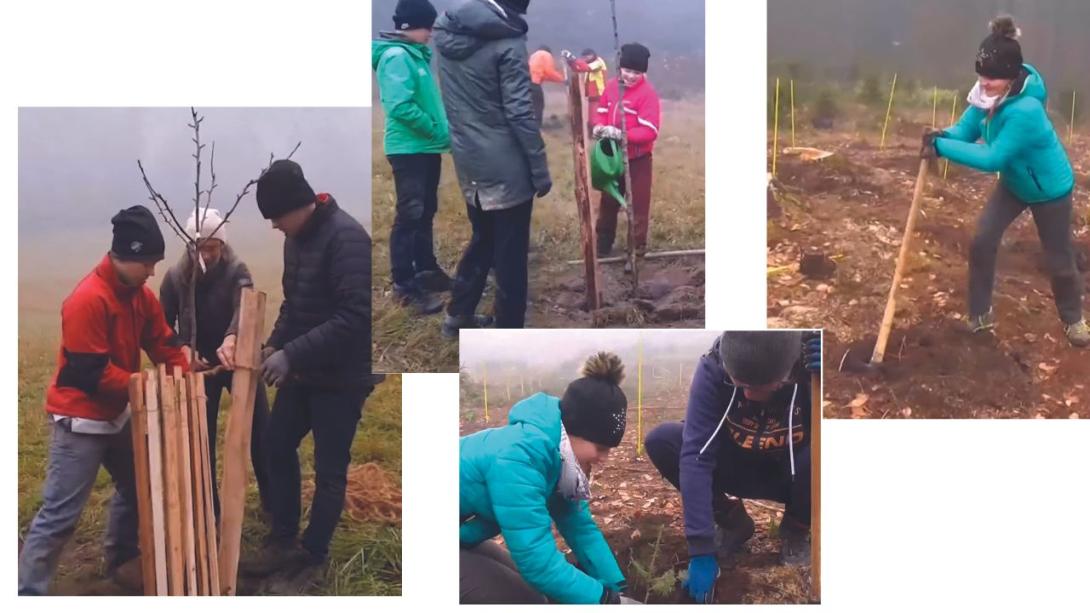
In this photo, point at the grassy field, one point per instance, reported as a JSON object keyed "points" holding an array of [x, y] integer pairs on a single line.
{"points": [[365, 557], [403, 343]]}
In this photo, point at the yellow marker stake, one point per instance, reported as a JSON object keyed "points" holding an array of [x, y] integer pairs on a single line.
{"points": [[889, 110], [953, 115], [935, 108], [792, 112], [1071, 126], [776, 128], [639, 401], [484, 379]]}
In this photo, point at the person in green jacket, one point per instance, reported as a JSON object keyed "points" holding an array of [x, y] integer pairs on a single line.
{"points": [[416, 135], [520, 479], [1007, 112]]}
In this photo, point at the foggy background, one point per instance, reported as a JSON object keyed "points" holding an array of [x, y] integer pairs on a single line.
{"points": [[77, 168], [673, 31], [934, 41]]}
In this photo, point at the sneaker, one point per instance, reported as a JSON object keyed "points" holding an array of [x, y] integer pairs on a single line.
{"points": [[275, 555], [981, 323], [794, 542], [417, 300], [733, 527], [433, 281], [1078, 333], [452, 324]]}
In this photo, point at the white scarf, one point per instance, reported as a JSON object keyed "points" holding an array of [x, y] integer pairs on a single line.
{"points": [[573, 484], [983, 101]]}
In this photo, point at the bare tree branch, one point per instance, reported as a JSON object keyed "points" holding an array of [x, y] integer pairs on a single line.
{"points": [[164, 208], [208, 194], [196, 125], [251, 183]]}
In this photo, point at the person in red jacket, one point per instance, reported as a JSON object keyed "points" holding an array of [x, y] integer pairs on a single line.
{"points": [[642, 115], [105, 323]]}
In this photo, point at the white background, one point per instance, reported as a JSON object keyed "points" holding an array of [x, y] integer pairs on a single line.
{"points": [[973, 515]]}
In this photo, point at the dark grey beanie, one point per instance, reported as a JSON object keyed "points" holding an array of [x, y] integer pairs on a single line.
{"points": [[760, 357]]}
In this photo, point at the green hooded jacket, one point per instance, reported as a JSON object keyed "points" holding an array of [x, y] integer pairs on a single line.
{"points": [[508, 486], [1019, 142], [415, 119]]}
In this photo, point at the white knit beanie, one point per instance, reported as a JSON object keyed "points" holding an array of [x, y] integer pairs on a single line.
{"points": [[210, 220]]}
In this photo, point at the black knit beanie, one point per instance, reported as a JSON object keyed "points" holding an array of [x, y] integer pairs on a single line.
{"points": [[137, 236], [593, 406], [519, 6], [760, 357], [414, 14], [635, 56], [282, 189], [1000, 55]]}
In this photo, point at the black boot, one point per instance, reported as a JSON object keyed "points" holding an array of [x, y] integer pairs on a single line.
{"points": [[795, 542], [416, 299], [298, 577], [733, 527], [605, 246], [452, 324], [433, 281], [275, 555]]}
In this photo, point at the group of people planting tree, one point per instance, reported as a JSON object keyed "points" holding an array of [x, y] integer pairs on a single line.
{"points": [[746, 434], [318, 357], [488, 116], [1006, 129]]}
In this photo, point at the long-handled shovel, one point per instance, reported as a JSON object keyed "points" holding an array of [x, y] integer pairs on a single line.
{"points": [[891, 302]]}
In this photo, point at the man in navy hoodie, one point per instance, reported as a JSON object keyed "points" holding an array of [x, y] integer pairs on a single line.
{"points": [[746, 434]]}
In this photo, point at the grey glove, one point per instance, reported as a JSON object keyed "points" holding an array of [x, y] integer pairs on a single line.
{"points": [[275, 369], [542, 188], [610, 132]]}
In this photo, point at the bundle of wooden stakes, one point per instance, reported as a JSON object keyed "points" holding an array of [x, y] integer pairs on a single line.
{"points": [[182, 551]]}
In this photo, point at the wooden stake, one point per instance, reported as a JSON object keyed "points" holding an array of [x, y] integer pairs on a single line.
{"points": [[172, 482], [143, 484], [792, 112], [1071, 126], [935, 108], [815, 486], [953, 115], [639, 400], [776, 128], [185, 484], [200, 540], [236, 448], [889, 111], [902, 259], [582, 194], [155, 481], [208, 482], [484, 380]]}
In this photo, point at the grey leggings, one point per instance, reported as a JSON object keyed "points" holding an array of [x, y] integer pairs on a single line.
{"points": [[1053, 220], [488, 575]]}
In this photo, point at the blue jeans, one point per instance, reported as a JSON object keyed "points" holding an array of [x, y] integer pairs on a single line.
{"points": [[74, 460]]}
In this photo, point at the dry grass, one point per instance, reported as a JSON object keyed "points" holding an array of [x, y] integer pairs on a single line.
{"points": [[403, 343]]}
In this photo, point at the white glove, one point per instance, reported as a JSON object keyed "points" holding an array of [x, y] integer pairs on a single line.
{"points": [[610, 132]]}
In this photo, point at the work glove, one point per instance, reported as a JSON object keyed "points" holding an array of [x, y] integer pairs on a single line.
{"points": [[703, 571], [610, 596], [608, 132], [275, 369], [927, 146], [811, 350], [542, 187]]}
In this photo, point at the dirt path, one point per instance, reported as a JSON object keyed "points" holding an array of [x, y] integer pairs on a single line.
{"points": [[851, 208], [640, 514]]}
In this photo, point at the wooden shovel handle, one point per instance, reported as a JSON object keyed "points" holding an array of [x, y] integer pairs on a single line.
{"points": [[902, 257]]}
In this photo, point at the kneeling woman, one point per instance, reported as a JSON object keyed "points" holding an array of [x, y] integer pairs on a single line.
{"points": [[520, 479]]}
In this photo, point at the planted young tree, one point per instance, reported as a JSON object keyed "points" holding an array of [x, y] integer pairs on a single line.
{"points": [[193, 242]]}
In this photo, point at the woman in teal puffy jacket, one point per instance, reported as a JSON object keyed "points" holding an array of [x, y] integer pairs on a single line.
{"points": [[520, 479], [1007, 113]]}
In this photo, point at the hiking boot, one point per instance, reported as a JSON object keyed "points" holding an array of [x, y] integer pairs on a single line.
{"points": [[452, 324], [982, 323], [298, 577], [275, 555], [420, 302], [433, 281], [1078, 333], [605, 247], [794, 542], [129, 576], [733, 527]]}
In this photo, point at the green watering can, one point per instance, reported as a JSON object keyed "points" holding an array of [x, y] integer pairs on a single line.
{"points": [[606, 169]]}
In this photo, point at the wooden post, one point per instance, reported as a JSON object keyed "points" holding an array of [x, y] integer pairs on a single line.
{"points": [[639, 401], [155, 481], [792, 112], [208, 482], [582, 194], [815, 486], [953, 115], [935, 108], [200, 540], [236, 447], [776, 128], [889, 111], [172, 484], [1071, 126], [185, 484], [143, 485], [484, 381]]}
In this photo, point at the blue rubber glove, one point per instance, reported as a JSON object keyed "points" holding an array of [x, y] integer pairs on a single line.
{"points": [[811, 347], [703, 571]]}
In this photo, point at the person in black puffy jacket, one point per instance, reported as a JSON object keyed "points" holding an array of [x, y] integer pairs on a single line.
{"points": [[319, 356]]}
